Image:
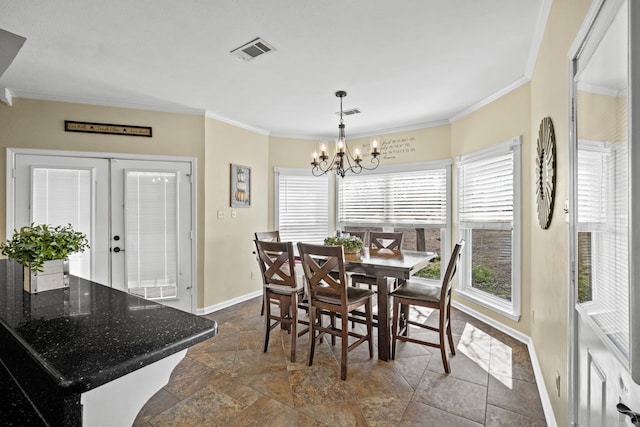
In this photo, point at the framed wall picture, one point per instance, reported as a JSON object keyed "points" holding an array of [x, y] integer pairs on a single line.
{"points": [[240, 186]]}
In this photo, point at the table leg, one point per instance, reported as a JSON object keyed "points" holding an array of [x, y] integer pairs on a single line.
{"points": [[384, 333]]}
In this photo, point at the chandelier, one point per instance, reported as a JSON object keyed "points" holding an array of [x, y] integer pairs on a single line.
{"points": [[343, 161]]}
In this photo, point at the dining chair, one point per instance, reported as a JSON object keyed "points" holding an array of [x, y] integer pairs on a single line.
{"points": [[417, 292], [361, 234], [378, 240], [266, 236], [277, 264], [329, 293]]}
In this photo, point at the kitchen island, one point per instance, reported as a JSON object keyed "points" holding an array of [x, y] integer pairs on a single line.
{"points": [[89, 354]]}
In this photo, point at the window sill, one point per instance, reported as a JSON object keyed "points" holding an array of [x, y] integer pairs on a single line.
{"points": [[492, 304]]}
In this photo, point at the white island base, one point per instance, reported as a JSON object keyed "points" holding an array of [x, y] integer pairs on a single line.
{"points": [[118, 402]]}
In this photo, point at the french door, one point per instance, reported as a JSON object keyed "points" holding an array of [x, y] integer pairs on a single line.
{"points": [[605, 151], [137, 215]]}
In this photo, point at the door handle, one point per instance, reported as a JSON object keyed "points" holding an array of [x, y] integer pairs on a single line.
{"points": [[624, 409], [117, 249]]}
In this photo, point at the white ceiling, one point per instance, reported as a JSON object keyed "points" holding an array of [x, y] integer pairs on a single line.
{"points": [[403, 63]]}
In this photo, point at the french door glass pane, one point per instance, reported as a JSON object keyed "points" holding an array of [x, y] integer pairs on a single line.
{"points": [[151, 222], [61, 197]]}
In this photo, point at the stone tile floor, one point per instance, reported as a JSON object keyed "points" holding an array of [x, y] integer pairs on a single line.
{"points": [[229, 381]]}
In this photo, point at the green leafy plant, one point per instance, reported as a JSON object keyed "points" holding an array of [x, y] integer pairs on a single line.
{"points": [[350, 244], [431, 271], [35, 244]]}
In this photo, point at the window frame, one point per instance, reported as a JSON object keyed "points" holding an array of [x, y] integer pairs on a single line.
{"points": [[464, 288], [279, 171], [445, 232]]}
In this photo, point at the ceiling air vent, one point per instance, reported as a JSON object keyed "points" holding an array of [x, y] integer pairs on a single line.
{"points": [[253, 49], [350, 112]]}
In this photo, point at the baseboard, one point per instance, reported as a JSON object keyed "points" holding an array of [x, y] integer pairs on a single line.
{"points": [[228, 303], [525, 339]]}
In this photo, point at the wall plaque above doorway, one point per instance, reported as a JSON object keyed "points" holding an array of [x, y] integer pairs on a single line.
{"points": [[106, 128]]}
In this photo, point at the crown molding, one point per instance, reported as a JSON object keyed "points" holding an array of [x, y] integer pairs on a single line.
{"points": [[6, 96], [538, 35], [212, 115], [107, 103], [489, 99]]}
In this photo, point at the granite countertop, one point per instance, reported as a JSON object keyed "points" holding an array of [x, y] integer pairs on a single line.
{"points": [[90, 334]]}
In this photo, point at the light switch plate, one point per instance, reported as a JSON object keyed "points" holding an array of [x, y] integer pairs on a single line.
{"points": [[220, 214]]}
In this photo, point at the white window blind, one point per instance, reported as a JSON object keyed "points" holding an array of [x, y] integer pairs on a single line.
{"points": [[489, 218], [594, 184], [401, 198], [61, 197], [151, 225], [302, 211], [485, 193], [603, 213]]}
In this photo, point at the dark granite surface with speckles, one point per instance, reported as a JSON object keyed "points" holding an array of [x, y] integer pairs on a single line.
{"points": [[79, 338]]}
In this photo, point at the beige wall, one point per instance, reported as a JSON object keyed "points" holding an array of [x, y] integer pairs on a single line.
{"points": [[223, 246], [228, 246], [549, 248], [501, 120], [411, 146]]}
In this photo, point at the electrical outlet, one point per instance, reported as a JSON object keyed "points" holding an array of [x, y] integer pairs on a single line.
{"points": [[558, 382]]}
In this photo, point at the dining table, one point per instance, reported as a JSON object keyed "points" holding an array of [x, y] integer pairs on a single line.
{"points": [[384, 264]]}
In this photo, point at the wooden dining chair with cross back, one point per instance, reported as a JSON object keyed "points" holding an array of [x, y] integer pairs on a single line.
{"points": [[328, 292], [378, 240], [419, 293], [277, 264], [266, 236]]}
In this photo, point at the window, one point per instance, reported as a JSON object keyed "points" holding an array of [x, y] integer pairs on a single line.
{"points": [[412, 198], [301, 205], [603, 237], [489, 221]]}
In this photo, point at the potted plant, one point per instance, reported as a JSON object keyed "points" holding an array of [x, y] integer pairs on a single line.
{"points": [[351, 244], [43, 250]]}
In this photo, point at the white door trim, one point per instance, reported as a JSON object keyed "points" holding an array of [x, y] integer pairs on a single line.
{"points": [[10, 190]]}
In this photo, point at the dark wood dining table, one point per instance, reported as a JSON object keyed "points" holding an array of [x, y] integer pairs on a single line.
{"points": [[383, 264]]}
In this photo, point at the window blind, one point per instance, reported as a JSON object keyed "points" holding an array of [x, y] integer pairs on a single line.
{"points": [[594, 186], [603, 212], [303, 206], [151, 228], [394, 199], [61, 197], [485, 192]]}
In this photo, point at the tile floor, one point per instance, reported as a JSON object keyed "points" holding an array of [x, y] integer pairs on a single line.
{"points": [[229, 381]]}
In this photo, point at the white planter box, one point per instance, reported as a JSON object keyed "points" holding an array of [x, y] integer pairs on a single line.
{"points": [[55, 275]]}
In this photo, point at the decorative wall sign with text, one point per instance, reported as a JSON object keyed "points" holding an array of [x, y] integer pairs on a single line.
{"points": [[105, 128]]}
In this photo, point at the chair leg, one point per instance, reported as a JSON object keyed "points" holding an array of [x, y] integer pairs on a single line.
{"points": [[443, 348], [332, 317], [312, 335], [394, 327], [294, 325], [344, 337], [369, 312], [266, 306], [451, 345], [262, 307]]}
